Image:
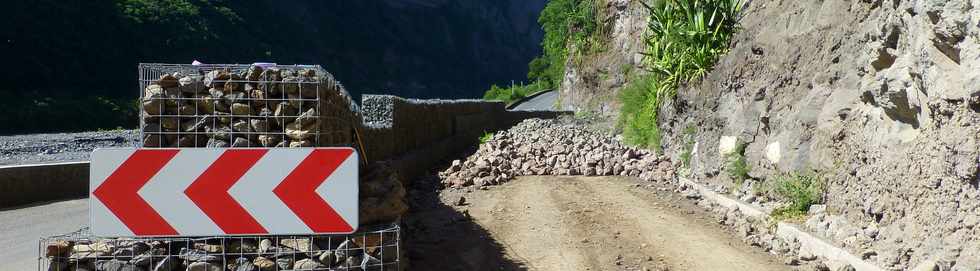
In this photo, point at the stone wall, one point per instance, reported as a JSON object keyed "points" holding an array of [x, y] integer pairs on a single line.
{"points": [[395, 126]]}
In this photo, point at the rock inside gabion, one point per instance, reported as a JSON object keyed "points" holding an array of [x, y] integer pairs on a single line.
{"points": [[245, 106]]}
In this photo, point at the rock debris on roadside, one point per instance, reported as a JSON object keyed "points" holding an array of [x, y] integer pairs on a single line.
{"points": [[553, 147]]}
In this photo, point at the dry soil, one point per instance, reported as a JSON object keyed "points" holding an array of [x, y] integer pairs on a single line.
{"points": [[573, 223]]}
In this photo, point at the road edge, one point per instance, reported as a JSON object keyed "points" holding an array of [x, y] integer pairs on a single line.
{"points": [[527, 98], [787, 231], [22, 185]]}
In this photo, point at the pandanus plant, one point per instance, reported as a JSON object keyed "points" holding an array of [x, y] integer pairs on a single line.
{"points": [[686, 37]]}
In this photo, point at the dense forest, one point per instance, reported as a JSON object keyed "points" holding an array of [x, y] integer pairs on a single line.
{"points": [[71, 65]]}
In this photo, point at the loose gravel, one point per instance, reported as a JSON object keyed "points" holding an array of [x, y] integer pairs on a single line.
{"points": [[61, 147]]}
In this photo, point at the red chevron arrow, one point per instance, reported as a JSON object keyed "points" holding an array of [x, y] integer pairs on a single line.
{"points": [[210, 191], [298, 190], [119, 192]]}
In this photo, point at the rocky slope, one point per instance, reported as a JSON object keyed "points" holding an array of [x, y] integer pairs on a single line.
{"points": [[880, 97], [592, 82]]}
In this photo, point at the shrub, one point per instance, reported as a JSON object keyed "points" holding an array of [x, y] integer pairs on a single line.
{"points": [[736, 167], [685, 38], [688, 137], [513, 93], [637, 115], [566, 23], [801, 190], [485, 137]]}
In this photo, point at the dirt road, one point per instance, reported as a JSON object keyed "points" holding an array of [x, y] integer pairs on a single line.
{"points": [[575, 223]]}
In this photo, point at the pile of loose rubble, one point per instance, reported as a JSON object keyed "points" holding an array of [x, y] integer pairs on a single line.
{"points": [[236, 254], [553, 147]]}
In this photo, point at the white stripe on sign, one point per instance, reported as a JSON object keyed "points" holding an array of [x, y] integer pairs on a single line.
{"points": [[333, 190], [167, 189], [254, 190], [101, 165]]}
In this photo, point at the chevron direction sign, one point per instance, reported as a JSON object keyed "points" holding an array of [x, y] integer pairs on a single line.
{"points": [[210, 191]]}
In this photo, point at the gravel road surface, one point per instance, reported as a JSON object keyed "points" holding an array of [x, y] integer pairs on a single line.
{"points": [[60, 147]]}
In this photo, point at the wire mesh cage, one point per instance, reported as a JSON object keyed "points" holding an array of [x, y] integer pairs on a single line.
{"points": [[235, 105], [371, 248]]}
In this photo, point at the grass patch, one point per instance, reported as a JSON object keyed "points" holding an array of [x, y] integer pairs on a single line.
{"points": [[513, 93], [736, 166], [585, 115], [687, 152], [485, 137], [685, 38], [638, 116], [801, 191]]}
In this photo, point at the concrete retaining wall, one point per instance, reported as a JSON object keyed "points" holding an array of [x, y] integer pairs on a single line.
{"points": [[395, 126], [26, 184]]}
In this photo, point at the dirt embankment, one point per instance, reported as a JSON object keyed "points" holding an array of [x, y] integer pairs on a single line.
{"points": [[573, 223]]}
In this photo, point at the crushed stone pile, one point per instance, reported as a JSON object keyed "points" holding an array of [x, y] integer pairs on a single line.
{"points": [[553, 147]]}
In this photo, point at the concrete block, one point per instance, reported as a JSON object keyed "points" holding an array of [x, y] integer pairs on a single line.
{"points": [[27, 184]]}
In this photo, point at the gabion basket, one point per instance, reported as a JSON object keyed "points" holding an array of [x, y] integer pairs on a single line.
{"points": [[371, 248], [235, 105]]}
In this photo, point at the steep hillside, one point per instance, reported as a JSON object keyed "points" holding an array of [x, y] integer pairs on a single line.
{"points": [[62, 54], [592, 81], [874, 102]]}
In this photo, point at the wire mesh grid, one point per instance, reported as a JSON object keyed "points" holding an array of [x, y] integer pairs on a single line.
{"points": [[371, 248], [235, 105]]}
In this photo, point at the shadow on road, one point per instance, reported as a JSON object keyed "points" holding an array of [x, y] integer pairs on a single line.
{"points": [[438, 237]]}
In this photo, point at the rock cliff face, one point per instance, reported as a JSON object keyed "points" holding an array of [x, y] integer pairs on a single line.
{"points": [[881, 97], [592, 83]]}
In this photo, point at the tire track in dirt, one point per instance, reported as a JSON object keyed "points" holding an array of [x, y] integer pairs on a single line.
{"points": [[575, 223], [604, 223], [684, 242]]}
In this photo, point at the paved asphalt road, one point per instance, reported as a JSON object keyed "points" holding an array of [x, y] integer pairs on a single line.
{"points": [[22, 228], [544, 101]]}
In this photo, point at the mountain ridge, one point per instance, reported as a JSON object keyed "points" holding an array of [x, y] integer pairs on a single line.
{"points": [[63, 52]]}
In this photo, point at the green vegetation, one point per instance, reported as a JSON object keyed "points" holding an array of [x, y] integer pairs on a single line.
{"points": [[485, 137], [639, 112], [585, 114], [513, 93], [70, 113], [67, 53], [688, 138], [685, 39], [566, 24], [736, 166], [801, 190]]}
